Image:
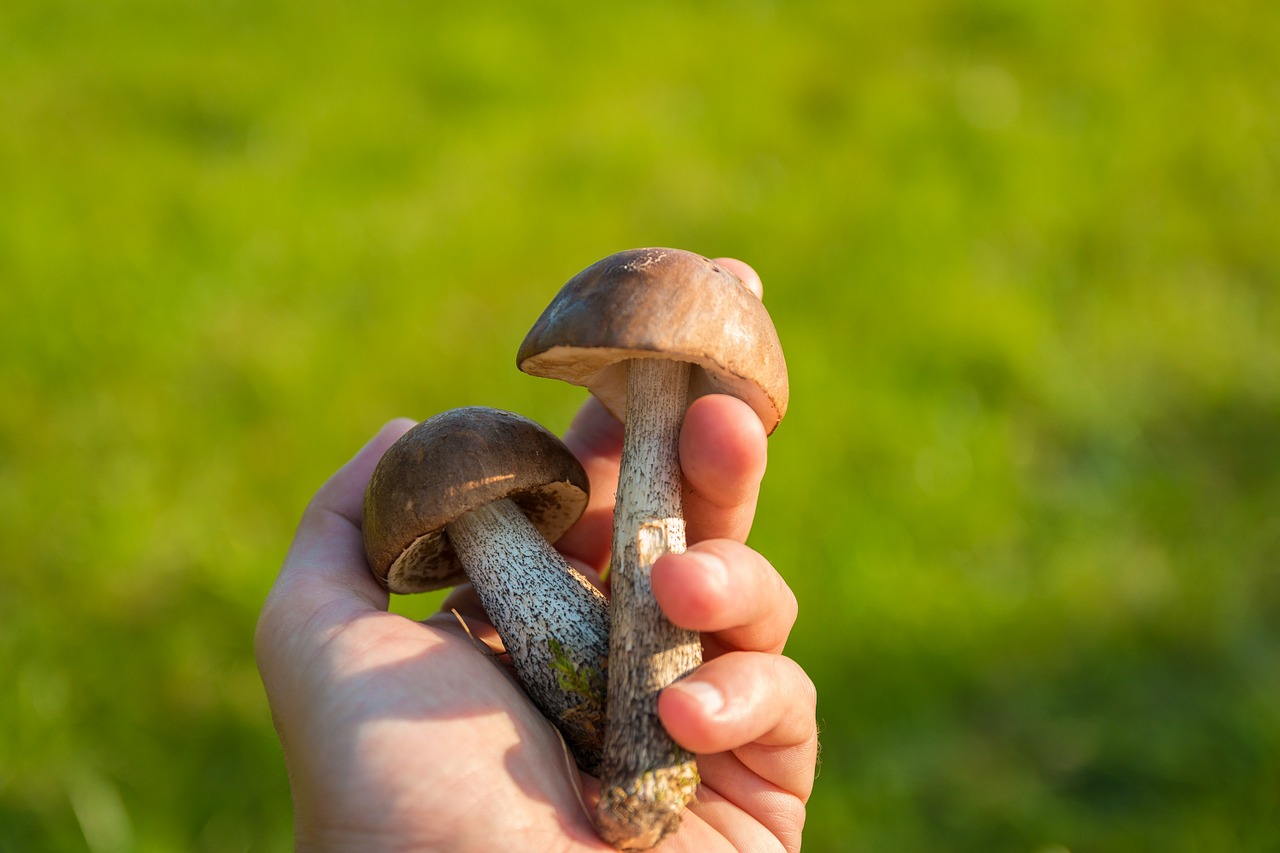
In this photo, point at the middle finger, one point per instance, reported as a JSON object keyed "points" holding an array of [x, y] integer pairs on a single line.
{"points": [[728, 592]]}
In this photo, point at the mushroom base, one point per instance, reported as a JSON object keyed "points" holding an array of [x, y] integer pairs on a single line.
{"points": [[638, 817]]}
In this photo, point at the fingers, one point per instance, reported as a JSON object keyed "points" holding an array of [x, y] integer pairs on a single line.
{"points": [[758, 818], [748, 711], [729, 593], [723, 452], [760, 707]]}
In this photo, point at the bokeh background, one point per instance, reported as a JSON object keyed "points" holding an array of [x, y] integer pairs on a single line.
{"points": [[1022, 256]]}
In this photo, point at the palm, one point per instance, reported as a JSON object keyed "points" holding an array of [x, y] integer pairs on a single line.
{"points": [[432, 735], [468, 760]]}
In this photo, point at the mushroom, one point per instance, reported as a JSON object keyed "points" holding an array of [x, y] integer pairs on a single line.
{"points": [[646, 331], [480, 494]]}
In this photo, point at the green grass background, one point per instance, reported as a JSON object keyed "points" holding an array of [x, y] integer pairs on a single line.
{"points": [[1022, 257]]}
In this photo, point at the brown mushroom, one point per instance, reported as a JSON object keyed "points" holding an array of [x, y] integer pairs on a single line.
{"points": [[480, 494], [647, 330]]}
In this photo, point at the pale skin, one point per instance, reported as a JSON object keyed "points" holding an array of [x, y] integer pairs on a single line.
{"points": [[410, 736]]}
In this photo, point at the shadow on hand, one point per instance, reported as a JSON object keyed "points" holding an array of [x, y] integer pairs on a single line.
{"points": [[432, 699]]}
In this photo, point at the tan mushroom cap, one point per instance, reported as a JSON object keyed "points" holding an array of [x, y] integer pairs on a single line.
{"points": [[660, 303], [450, 464]]}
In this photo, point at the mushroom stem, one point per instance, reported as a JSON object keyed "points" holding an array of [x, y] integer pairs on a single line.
{"points": [[552, 621], [646, 779]]}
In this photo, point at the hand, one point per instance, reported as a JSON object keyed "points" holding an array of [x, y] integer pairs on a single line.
{"points": [[400, 735]]}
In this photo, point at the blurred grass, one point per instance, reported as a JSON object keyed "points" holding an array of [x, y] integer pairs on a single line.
{"points": [[1022, 257]]}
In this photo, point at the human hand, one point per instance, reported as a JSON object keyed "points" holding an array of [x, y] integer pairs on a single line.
{"points": [[400, 735]]}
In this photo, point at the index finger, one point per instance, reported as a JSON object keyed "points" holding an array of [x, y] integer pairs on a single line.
{"points": [[722, 456], [723, 452]]}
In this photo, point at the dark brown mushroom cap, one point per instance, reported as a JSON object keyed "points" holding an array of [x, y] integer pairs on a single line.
{"points": [[660, 303], [450, 464]]}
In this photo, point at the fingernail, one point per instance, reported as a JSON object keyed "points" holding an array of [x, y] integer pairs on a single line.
{"points": [[708, 696], [713, 567]]}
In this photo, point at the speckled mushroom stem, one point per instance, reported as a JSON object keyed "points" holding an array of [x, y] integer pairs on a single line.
{"points": [[552, 621], [646, 780]]}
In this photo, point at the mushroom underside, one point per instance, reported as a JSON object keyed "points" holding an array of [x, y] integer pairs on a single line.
{"points": [[429, 562], [604, 371]]}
